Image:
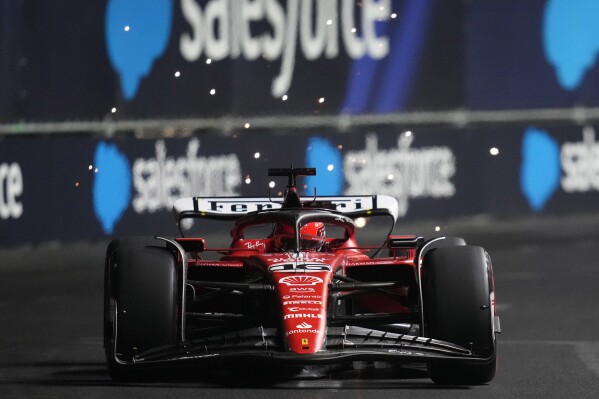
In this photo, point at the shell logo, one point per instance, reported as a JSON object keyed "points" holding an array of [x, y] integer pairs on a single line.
{"points": [[300, 280]]}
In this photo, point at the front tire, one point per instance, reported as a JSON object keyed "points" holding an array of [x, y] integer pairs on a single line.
{"points": [[458, 296], [140, 305]]}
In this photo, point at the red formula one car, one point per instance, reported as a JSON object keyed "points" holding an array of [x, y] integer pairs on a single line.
{"points": [[296, 288]]}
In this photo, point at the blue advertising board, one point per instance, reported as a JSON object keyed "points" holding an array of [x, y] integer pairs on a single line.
{"points": [[204, 58], [532, 54], [79, 187]]}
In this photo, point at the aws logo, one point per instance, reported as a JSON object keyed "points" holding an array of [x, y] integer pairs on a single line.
{"points": [[571, 39], [543, 161]]}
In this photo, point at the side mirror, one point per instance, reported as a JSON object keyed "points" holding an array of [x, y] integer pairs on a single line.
{"points": [[192, 244], [404, 242]]}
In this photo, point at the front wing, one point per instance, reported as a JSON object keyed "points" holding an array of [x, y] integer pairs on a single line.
{"points": [[343, 344]]}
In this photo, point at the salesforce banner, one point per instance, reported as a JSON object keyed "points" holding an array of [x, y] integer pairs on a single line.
{"points": [[532, 54], [205, 58], [78, 187], [140, 59]]}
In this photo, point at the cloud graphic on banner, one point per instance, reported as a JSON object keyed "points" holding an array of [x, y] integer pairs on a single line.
{"points": [[137, 33], [112, 185], [326, 158], [540, 172], [571, 39]]}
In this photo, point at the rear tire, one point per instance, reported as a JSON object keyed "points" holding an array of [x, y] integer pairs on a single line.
{"points": [[459, 308], [140, 302]]}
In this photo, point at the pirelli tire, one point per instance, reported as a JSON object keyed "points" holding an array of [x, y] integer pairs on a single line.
{"points": [[140, 302], [458, 305]]}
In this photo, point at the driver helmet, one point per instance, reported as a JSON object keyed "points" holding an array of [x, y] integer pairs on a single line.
{"points": [[312, 236]]}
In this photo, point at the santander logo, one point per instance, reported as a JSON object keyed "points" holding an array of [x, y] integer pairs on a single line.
{"points": [[303, 325]]}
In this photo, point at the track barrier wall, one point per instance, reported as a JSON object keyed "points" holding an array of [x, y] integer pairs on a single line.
{"points": [[80, 187], [442, 104]]}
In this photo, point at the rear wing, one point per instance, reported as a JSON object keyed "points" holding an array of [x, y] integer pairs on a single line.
{"points": [[235, 207]]}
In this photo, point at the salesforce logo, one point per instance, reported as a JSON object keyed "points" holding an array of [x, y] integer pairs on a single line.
{"points": [[571, 39], [112, 185], [11, 190], [547, 166], [403, 172], [137, 33], [153, 184], [326, 158], [540, 171]]}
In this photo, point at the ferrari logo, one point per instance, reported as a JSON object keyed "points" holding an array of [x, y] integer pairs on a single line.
{"points": [[305, 341]]}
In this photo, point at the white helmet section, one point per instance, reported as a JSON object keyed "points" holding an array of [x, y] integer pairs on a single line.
{"points": [[238, 206]]}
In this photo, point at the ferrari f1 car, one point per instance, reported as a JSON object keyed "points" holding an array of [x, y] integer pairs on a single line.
{"points": [[294, 287]]}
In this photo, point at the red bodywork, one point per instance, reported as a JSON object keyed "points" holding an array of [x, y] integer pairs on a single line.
{"points": [[295, 288], [302, 280]]}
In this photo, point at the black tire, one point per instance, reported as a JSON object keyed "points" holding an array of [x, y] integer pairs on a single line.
{"points": [[140, 302], [441, 242], [457, 295]]}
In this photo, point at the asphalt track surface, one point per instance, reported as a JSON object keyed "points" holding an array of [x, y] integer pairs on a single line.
{"points": [[546, 273]]}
